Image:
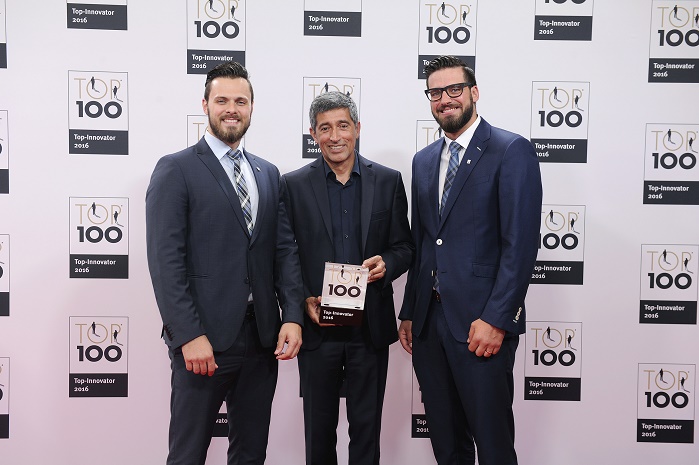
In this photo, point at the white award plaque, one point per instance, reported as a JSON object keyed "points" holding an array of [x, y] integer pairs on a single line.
{"points": [[344, 291]]}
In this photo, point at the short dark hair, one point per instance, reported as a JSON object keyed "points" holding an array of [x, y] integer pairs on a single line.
{"points": [[448, 61], [228, 69], [330, 101]]}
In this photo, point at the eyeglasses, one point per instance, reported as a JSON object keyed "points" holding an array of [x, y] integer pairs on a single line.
{"points": [[452, 91]]}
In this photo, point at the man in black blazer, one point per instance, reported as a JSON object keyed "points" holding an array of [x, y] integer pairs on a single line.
{"points": [[344, 208], [222, 259], [476, 209]]}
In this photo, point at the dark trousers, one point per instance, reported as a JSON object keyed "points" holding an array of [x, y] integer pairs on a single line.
{"points": [[343, 355], [245, 379], [468, 399]]}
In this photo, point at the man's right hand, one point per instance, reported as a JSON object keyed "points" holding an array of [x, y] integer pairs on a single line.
{"points": [[405, 335], [313, 311], [199, 356]]}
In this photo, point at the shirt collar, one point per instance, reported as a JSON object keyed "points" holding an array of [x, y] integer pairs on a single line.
{"points": [[219, 147], [355, 168], [465, 138]]}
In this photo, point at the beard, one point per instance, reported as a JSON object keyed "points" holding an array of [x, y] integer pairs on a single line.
{"points": [[452, 124], [228, 135]]}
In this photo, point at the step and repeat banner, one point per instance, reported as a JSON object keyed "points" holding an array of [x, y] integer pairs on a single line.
{"points": [[93, 94]]}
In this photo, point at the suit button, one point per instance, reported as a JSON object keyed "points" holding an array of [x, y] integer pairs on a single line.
{"points": [[247, 280], [439, 242]]}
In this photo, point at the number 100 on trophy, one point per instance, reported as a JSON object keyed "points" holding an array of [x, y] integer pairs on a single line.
{"points": [[344, 291]]}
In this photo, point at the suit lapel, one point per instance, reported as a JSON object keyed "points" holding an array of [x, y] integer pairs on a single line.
{"points": [[263, 190], [214, 165], [368, 184], [316, 176], [434, 193], [474, 151]]}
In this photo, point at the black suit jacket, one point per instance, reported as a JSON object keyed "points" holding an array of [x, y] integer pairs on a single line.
{"points": [[202, 261], [385, 232]]}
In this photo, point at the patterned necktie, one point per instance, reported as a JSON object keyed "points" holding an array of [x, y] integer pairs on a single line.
{"points": [[242, 187], [454, 148]]}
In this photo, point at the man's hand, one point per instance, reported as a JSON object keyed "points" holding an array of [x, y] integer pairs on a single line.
{"points": [[289, 335], [484, 339], [313, 311], [405, 335], [377, 268], [199, 356]]}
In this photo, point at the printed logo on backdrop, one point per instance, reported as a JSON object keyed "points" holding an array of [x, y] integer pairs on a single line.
{"points": [[4, 398], [4, 275], [553, 366], [563, 20], [561, 245], [671, 175], [560, 120], [3, 35], [419, 428], [196, 127], [99, 237], [426, 132], [447, 28], [314, 86], [4, 153], [674, 41], [215, 34], [221, 425], [98, 113], [332, 18], [98, 14], [666, 403], [669, 284], [99, 356]]}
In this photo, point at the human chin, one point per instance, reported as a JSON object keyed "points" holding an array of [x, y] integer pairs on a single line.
{"points": [[453, 123], [229, 135]]}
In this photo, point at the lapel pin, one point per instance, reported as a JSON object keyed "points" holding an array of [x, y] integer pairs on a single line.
{"points": [[479, 149], [468, 162], [258, 168]]}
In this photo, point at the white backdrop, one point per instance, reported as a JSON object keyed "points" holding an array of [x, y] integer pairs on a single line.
{"points": [[37, 233]]}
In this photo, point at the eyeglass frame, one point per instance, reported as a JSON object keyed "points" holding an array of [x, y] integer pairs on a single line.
{"points": [[444, 89]]}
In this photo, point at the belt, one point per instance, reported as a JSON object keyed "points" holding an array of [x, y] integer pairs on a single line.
{"points": [[436, 296], [250, 311]]}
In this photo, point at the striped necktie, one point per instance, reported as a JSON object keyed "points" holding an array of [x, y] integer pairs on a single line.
{"points": [[454, 148], [242, 187]]}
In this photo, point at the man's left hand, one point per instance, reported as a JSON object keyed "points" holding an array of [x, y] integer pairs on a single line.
{"points": [[484, 339], [289, 334], [377, 268]]}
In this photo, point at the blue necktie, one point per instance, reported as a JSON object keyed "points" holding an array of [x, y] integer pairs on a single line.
{"points": [[454, 148], [242, 188], [453, 167]]}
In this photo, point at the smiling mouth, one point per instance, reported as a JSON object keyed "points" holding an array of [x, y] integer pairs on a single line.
{"points": [[448, 110]]}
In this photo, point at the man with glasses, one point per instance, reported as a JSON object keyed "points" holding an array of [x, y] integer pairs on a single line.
{"points": [[476, 205]]}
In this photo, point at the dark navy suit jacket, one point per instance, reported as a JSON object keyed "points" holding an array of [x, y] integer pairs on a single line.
{"points": [[202, 261], [485, 244]]}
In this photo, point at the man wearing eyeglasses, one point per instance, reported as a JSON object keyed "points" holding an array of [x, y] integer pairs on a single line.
{"points": [[476, 204]]}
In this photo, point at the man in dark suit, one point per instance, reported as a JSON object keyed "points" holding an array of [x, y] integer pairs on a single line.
{"points": [[346, 209], [476, 204], [223, 260]]}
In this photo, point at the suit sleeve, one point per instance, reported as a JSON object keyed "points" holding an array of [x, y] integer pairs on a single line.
{"points": [[167, 206], [401, 248], [288, 281], [408, 307], [520, 197]]}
